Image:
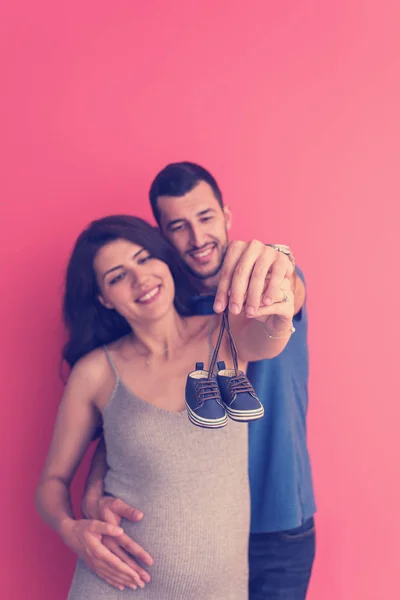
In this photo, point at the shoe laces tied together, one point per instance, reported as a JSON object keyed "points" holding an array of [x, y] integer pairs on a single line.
{"points": [[207, 389], [240, 384]]}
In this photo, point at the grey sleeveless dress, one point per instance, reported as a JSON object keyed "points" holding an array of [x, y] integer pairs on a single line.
{"points": [[192, 486]]}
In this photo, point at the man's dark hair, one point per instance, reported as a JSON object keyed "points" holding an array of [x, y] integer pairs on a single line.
{"points": [[177, 179]]}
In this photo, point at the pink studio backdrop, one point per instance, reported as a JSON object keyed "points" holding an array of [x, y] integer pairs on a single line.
{"points": [[295, 107]]}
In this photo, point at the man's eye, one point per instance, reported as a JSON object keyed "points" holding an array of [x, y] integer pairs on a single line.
{"points": [[205, 219], [176, 228], [117, 278]]}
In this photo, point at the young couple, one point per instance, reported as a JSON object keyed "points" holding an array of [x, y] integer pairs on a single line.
{"points": [[142, 308]]}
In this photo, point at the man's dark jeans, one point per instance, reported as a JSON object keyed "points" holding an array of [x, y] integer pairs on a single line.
{"points": [[281, 563]]}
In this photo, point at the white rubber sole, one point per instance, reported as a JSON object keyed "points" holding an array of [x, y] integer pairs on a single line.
{"points": [[207, 423], [245, 415]]}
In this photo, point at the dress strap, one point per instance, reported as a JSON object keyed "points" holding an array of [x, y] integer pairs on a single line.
{"points": [[111, 362]]}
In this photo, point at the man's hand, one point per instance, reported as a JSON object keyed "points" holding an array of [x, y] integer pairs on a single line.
{"points": [[111, 510], [251, 271]]}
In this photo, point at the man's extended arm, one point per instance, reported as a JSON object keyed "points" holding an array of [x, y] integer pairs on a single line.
{"points": [[95, 481]]}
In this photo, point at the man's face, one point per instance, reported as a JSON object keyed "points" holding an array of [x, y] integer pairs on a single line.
{"points": [[198, 228]]}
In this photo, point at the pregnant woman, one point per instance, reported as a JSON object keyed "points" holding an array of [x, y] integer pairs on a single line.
{"points": [[131, 346]]}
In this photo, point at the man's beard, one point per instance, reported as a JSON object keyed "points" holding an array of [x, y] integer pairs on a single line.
{"points": [[214, 272]]}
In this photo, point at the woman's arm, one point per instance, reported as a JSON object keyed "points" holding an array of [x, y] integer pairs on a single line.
{"points": [[75, 425], [74, 428]]}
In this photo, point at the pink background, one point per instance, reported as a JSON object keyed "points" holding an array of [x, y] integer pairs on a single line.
{"points": [[294, 106]]}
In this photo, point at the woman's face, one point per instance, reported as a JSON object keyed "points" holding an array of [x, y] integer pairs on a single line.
{"points": [[138, 286]]}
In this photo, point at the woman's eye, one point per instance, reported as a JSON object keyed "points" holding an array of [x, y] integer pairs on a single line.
{"points": [[117, 278], [141, 261]]}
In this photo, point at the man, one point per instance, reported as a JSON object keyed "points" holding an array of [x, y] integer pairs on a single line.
{"points": [[187, 205]]}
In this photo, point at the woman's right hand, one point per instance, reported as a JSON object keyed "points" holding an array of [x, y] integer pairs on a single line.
{"points": [[85, 538]]}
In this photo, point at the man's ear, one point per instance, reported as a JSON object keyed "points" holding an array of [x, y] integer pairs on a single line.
{"points": [[228, 216], [104, 303]]}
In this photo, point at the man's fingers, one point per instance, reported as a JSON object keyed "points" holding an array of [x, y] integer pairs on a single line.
{"points": [[113, 509], [102, 528], [127, 512], [244, 271], [243, 274], [109, 516]]}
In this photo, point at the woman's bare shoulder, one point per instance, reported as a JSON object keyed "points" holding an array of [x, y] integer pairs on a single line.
{"points": [[93, 369]]}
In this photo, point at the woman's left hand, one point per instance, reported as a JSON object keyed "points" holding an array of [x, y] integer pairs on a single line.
{"points": [[278, 316]]}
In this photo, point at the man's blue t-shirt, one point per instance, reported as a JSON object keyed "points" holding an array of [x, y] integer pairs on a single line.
{"points": [[282, 496]]}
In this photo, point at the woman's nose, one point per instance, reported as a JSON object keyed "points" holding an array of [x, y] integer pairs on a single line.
{"points": [[138, 277]]}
